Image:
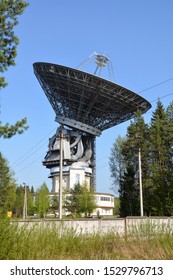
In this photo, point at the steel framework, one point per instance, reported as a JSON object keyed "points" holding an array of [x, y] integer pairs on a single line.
{"points": [[86, 102]]}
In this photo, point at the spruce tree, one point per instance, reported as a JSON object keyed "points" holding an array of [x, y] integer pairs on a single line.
{"points": [[160, 161], [129, 193], [169, 199]]}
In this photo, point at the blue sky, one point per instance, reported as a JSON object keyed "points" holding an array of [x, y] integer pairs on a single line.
{"points": [[136, 35]]}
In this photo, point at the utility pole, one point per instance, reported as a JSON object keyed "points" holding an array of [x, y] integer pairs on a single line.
{"points": [[140, 183], [60, 172], [25, 203]]}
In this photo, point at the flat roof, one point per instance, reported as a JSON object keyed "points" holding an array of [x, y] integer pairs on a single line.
{"points": [[85, 101]]}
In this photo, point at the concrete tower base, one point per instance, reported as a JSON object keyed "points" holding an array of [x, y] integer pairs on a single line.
{"points": [[71, 176], [78, 158]]}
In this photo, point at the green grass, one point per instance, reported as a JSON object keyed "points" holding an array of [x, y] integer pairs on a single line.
{"points": [[47, 243]]}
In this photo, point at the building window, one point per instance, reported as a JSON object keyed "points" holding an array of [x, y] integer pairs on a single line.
{"points": [[105, 198], [77, 179]]}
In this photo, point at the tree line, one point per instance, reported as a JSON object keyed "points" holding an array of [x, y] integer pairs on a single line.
{"points": [[79, 201], [155, 141], [12, 195]]}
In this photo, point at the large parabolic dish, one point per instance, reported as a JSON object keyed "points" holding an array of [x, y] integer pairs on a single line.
{"points": [[85, 101]]}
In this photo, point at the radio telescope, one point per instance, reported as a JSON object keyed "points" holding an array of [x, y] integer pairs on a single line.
{"points": [[85, 105]]}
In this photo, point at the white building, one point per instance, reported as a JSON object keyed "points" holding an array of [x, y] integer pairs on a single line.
{"points": [[104, 201], [105, 204]]}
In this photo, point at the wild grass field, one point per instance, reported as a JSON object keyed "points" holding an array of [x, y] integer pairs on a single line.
{"points": [[36, 243]]}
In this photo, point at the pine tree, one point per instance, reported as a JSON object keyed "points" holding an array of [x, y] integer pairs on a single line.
{"points": [[42, 200], [9, 11], [7, 187]]}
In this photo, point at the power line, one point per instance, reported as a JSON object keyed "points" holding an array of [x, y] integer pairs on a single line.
{"points": [[156, 85], [18, 162], [25, 155], [30, 164], [164, 96]]}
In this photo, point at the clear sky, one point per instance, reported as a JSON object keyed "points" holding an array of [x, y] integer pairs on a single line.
{"points": [[137, 36]]}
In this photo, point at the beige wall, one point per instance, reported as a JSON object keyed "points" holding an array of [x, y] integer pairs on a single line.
{"points": [[120, 226]]}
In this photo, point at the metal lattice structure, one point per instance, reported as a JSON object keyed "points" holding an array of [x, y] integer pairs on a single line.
{"points": [[86, 102]]}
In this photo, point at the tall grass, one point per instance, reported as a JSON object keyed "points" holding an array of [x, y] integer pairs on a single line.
{"points": [[38, 243]]}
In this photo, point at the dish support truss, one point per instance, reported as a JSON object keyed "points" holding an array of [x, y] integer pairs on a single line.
{"points": [[87, 102]]}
